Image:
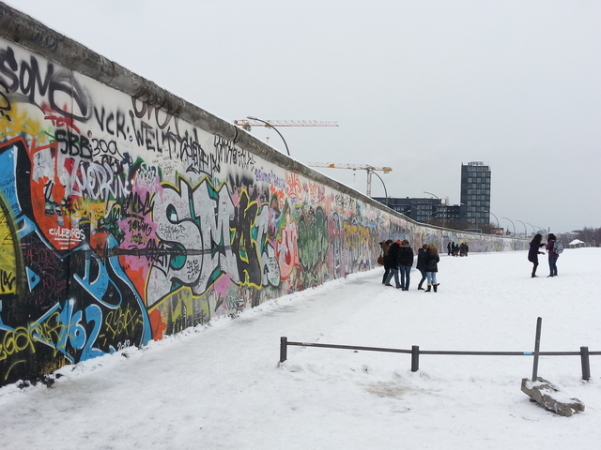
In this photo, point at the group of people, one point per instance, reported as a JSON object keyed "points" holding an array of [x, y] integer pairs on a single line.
{"points": [[535, 245], [454, 249], [398, 258]]}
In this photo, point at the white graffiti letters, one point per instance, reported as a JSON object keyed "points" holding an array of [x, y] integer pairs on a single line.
{"points": [[196, 241]]}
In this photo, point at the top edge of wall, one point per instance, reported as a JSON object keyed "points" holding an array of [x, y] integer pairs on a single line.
{"points": [[36, 37]]}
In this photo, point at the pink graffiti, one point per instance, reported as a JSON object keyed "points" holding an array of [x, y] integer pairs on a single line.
{"points": [[287, 249]]}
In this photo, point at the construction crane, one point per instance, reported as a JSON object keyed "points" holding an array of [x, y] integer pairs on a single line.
{"points": [[250, 122], [247, 124], [367, 167]]}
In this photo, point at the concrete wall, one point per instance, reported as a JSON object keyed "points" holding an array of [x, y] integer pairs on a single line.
{"points": [[127, 214]]}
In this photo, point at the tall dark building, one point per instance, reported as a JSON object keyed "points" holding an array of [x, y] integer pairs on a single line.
{"points": [[475, 193], [418, 209]]}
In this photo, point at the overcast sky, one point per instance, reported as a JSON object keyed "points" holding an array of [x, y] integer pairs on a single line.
{"points": [[419, 86]]}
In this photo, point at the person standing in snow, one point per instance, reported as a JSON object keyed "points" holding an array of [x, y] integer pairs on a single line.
{"points": [[533, 253], [385, 246], [391, 261], [551, 238], [432, 260], [421, 265], [405, 263]]}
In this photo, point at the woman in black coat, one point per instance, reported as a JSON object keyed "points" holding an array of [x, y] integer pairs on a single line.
{"points": [[432, 260], [533, 253], [421, 265], [405, 262], [392, 265], [385, 246]]}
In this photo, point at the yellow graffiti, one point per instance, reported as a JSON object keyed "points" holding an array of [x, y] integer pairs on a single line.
{"points": [[93, 210], [24, 338], [16, 341], [49, 331], [16, 363], [183, 304], [18, 122], [122, 321], [356, 234], [8, 260]]}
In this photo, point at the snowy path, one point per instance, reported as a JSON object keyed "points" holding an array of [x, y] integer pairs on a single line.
{"points": [[220, 387]]}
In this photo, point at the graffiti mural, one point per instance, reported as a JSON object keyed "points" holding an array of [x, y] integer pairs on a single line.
{"points": [[121, 223]]}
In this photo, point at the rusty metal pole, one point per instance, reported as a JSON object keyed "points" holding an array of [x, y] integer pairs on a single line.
{"points": [[414, 358], [283, 349], [539, 324], [586, 365]]}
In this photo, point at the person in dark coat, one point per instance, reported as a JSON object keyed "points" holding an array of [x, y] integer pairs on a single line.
{"points": [[551, 238], [534, 251], [385, 246], [432, 260], [421, 265], [405, 263], [391, 261]]}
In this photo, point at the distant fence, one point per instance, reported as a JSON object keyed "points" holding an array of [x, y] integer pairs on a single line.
{"points": [[415, 352]]}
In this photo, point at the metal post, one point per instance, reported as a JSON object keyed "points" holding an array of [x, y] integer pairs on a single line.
{"points": [[584, 361], [539, 324], [283, 349], [414, 358]]}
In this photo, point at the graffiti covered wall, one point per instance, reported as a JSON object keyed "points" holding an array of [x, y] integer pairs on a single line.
{"points": [[127, 215]]}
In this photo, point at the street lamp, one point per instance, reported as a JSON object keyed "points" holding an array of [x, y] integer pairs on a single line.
{"points": [[268, 125], [543, 229], [444, 216], [533, 230], [525, 229], [425, 212], [498, 226], [385, 191], [511, 223]]}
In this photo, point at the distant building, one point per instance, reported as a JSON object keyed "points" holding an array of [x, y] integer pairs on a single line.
{"points": [[475, 193], [418, 209], [473, 210], [452, 213]]}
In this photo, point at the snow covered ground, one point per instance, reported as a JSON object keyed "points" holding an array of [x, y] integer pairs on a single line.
{"points": [[220, 387]]}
